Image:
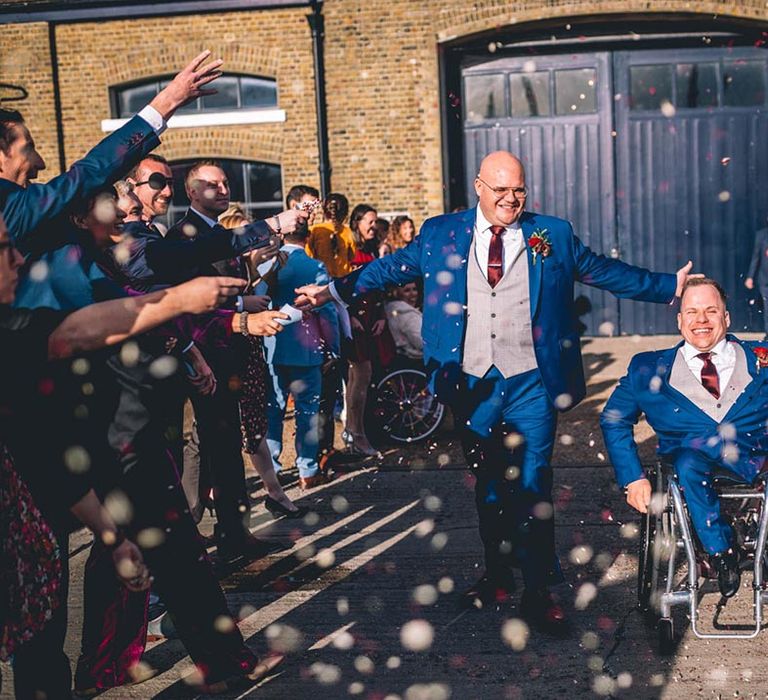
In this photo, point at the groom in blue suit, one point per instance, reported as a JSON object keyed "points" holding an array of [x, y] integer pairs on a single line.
{"points": [[502, 349], [707, 400]]}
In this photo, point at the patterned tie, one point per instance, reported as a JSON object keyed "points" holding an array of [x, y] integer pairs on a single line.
{"points": [[495, 256], [709, 377]]}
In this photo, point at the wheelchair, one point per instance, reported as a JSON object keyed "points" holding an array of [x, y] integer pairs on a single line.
{"points": [[400, 406], [666, 534]]}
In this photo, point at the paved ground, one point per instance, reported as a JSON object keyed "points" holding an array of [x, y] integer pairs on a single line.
{"points": [[375, 575]]}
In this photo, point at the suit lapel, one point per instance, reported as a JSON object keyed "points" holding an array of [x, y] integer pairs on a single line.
{"points": [[758, 378], [535, 268], [460, 238]]}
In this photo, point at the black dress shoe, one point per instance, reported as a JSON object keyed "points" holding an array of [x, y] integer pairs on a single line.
{"points": [[249, 548], [489, 590], [278, 510], [543, 612], [728, 574]]}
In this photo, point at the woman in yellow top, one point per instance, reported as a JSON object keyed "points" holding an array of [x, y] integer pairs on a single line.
{"points": [[332, 242]]}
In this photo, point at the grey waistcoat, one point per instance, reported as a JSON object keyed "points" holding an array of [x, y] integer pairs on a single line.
{"points": [[688, 384], [498, 320]]}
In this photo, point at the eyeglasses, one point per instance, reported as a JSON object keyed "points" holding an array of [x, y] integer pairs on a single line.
{"points": [[157, 181], [517, 192]]}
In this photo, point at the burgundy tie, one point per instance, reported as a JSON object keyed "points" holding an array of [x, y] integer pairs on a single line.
{"points": [[495, 256], [709, 377]]}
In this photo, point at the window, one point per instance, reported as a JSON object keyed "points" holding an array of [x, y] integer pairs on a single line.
{"points": [[743, 83], [484, 97], [234, 92], [530, 94], [696, 85], [256, 185], [649, 86], [576, 91]]}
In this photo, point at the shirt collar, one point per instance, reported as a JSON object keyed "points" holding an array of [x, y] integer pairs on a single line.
{"points": [[211, 222], [482, 224], [290, 247], [689, 351]]}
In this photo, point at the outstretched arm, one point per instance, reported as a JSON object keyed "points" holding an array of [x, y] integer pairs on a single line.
{"points": [[623, 280], [111, 322], [27, 210]]}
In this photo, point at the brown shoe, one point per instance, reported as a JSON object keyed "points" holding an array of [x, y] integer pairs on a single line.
{"points": [[310, 482]]}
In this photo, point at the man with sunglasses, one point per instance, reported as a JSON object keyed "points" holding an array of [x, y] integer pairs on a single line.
{"points": [[152, 182], [501, 345]]}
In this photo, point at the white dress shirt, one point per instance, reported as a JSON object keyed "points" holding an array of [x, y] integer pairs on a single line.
{"points": [[150, 115], [512, 239], [723, 357]]}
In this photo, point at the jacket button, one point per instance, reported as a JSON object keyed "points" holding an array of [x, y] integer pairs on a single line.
{"points": [[493, 294], [493, 335], [719, 405], [493, 315]]}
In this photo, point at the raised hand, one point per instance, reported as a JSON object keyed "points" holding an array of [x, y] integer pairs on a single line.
{"points": [[204, 294], [289, 220], [254, 303], [187, 85], [683, 274], [310, 296]]}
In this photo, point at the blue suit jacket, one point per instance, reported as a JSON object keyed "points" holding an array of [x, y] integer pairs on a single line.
{"points": [[439, 255], [303, 343], [29, 211], [678, 422]]}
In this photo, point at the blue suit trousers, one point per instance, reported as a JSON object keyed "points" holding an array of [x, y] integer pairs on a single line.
{"points": [[508, 434]]}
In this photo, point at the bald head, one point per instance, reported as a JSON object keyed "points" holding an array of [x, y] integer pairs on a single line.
{"points": [[500, 188]]}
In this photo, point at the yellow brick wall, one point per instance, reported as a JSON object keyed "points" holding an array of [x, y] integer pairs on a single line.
{"points": [[25, 60], [382, 79]]}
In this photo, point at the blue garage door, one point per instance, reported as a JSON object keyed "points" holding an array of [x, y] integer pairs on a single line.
{"points": [[655, 156]]}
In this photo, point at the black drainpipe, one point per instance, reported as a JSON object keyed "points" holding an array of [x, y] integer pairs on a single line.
{"points": [[57, 94], [317, 24]]}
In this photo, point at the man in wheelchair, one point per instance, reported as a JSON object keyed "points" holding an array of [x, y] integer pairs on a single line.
{"points": [[707, 400]]}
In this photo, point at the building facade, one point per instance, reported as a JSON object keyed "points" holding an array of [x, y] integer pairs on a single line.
{"points": [[640, 120]]}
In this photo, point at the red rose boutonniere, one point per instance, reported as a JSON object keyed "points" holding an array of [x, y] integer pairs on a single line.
{"points": [[762, 357], [540, 244]]}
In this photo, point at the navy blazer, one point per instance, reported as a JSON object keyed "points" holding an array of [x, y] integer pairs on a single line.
{"points": [[305, 342], [439, 255], [678, 422], [29, 211]]}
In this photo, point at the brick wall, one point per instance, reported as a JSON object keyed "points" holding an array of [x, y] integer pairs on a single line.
{"points": [[382, 79]]}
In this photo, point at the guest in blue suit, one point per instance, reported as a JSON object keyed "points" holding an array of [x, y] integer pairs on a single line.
{"points": [[707, 400], [501, 346], [296, 357], [30, 209]]}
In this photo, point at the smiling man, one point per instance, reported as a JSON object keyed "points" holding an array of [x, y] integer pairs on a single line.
{"points": [[502, 349], [707, 400]]}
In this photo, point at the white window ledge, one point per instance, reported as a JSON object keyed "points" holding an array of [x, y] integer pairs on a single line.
{"points": [[181, 121]]}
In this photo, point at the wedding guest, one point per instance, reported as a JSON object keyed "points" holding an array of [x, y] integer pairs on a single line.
{"points": [[253, 395], [404, 320], [332, 241], [370, 341], [401, 232], [381, 228]]}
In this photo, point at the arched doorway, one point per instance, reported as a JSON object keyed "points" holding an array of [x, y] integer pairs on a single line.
{"points": [[653, 147]]}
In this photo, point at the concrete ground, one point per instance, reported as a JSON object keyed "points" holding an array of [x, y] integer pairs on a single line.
{"points": [[366, 601]]}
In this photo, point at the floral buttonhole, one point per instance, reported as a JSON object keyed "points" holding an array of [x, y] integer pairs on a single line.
{"points": [[540, 244], [761, 353]]}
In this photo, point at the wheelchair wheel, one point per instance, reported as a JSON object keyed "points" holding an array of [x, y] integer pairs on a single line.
{"points": [[666, 636], [647, 574], [403, 409]]}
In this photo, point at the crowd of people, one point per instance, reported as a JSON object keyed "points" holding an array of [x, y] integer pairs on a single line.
{"points": [[112, 327]]}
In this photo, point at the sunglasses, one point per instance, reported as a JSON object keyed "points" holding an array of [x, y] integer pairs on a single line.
{"points": [[157, 181]]}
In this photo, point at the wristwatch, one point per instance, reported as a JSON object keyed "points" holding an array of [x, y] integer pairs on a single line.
{"points": [[244, 323]]}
